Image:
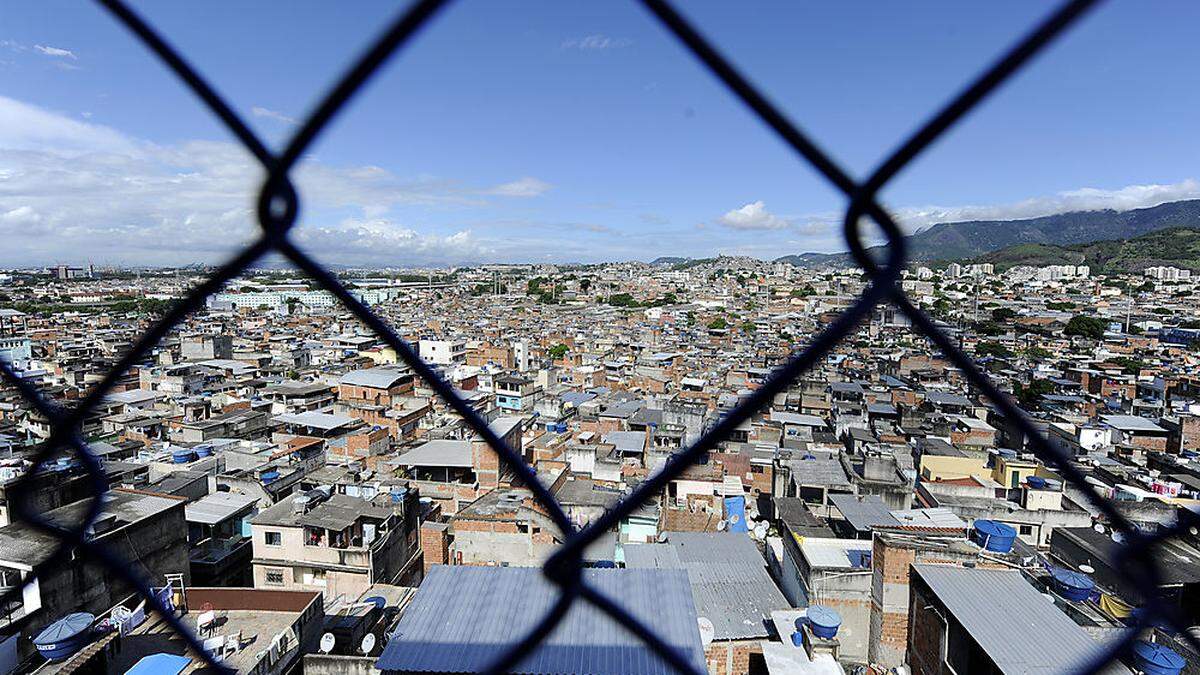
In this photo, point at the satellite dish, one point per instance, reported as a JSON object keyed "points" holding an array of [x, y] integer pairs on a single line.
{"points": [[707, 631], [1087, 569], [662, 537], [368, 644], [1099, 528], [327, 642], [721, 525]]}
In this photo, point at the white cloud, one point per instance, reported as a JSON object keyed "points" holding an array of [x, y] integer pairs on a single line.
{"points": [[522, 187], [1083, 199], [366, 241], [55, 51], [259, 111], [596, 42], [71, 190], [753, 216]]}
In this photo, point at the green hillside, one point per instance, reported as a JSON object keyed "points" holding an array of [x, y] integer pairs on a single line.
{"points": [[1179, 247], [954, 241]]}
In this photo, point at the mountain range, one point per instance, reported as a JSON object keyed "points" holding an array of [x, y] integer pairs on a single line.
{"points": [[974, 238], [1176, 246]]}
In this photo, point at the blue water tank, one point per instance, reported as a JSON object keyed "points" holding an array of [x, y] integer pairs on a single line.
{"points": [[398, 493], [1156, 659], [993, 536], [824, 621], [561, 427], [1072, 585], [182, 456], [64, 637], [270, 476], [378, 600], [203, 450], [604, 565], [798, 639], [1036, 482]]}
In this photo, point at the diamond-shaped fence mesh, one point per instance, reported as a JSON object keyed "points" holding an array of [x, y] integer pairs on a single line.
{"points": [[277, 211]]}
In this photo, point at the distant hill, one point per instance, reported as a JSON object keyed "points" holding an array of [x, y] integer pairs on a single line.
{"points": [[969, 239], [668, 260], [1177, 246]]}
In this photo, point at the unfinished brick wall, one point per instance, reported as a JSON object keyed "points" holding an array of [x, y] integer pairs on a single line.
{"points": [[435, 544], [731, 657], [683, 520]]}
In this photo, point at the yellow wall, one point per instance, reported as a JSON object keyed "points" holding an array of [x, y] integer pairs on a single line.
{"points": [[383, 356], [944, 467], [1004, 469]]}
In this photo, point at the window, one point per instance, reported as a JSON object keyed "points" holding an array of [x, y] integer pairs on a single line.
{"points": [[1025, 529], [275, 577], [273, 538]]}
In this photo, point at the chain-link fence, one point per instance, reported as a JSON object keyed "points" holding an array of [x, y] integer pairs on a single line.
{"points": [[277, 210]]}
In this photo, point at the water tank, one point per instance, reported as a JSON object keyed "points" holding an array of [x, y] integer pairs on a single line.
{"points": [[182, 456], [1036, 482], [398, 492], [798, 639], [824, 621], [1156, 659], [993, 536], [64, 637], [270, 476], [1072, 585], [203, 450], [561, 427], [604, 565]]}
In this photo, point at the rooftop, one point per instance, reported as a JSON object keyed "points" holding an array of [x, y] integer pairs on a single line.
{"points": [[730, 583], [462, 618], [1019, 630]]}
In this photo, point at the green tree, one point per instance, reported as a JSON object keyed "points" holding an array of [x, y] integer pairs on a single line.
{"points": [[622, 300], [718, 323], [993, 349], [1030, 394], [1086, 326], [1038, 353], [1001, 314], [558, 351], [1129, 365]]}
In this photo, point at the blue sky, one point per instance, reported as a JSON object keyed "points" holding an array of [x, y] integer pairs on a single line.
{"points": [[572, 131]]}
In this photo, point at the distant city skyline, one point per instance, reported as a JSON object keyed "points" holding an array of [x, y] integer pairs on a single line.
{"points": [[541, 133]]}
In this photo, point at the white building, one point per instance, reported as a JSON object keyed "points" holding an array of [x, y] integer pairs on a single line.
{"points": [[443, 352]]}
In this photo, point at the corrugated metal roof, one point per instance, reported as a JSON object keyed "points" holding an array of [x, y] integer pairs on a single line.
{"points": [[730, 583], [1132, 423], [1012, 622], [863, 511], [440, 452], [819, 471], [316, 420], [462, 618], [377, 378], [212, 509]]}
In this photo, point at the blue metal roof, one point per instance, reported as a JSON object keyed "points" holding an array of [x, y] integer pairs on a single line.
{"points": [[462, 618], [160, 664]]}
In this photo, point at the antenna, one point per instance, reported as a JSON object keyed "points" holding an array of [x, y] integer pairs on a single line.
{"points": [[327, 642], [707, 631]]}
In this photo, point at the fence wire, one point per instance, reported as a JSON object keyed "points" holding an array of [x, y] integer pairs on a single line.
{"points": [[278, 206]]}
